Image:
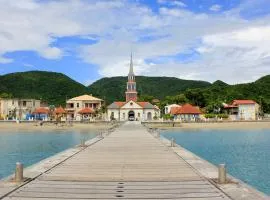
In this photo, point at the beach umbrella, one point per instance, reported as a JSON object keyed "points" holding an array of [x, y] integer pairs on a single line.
{"points": [[41, 110], [86, 111], [60, 110]]}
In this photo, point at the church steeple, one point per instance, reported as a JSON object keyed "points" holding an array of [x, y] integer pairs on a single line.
{"points": [[131, 93], [131, 75]]}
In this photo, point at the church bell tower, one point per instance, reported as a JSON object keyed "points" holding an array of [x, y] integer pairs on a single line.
{"points": [[131, 93]]}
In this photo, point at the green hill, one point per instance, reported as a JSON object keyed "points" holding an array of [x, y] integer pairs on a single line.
{"points": [[48, 86], [221, 92], [56, 87], [114, 88]]}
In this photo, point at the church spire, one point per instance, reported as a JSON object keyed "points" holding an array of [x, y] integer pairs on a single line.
{"points": [[131, 72], [131, 93]]}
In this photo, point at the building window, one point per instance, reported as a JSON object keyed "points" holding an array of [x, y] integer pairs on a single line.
{"points": [[139, 114], [78, 105], [34, 103], [24, 103]]}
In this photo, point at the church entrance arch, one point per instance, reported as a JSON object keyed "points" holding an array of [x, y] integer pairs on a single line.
{"points": [[149, 116], [131, 115]]}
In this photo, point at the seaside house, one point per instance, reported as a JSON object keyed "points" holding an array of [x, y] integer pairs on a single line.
{"points": [[17, 108], [242, 110], [131, 109], [76, 105], [167, 109], [186, 112]]}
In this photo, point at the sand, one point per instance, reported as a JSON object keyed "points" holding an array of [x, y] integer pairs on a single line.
{"points": [[14, 127], [223, 125], [32, 126]]}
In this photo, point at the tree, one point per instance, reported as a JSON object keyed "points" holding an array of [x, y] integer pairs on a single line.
{"points": [[146, 97], [196, 97]]}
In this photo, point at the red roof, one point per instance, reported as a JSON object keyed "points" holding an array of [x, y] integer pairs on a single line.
{"points": [[174, 110], [188, 109], [41, 110], [120, 103], [142, 103], [230, 106], [60, 110], [86, 111], [240, 102]]}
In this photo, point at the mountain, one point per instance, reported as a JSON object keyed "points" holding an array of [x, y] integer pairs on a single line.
{"points": [[48, 86], [220, 92], [56, 87], [114, 88]]}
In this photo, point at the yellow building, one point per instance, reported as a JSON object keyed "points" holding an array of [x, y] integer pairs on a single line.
{"points": [[16, 108], [75, 105]]}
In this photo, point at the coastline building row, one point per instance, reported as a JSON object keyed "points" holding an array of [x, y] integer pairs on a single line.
{"points": [[237, 110]]}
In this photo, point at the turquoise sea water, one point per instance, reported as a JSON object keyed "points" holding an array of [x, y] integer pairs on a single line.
{"points": [[245, 152], [31, 147]]}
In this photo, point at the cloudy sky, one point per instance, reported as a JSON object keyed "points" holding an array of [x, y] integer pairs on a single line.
{"points": [[89, 39]]}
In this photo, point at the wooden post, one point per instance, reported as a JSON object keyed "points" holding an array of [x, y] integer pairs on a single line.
{"points": [[19, 172], [172, 142], [222, 174]]}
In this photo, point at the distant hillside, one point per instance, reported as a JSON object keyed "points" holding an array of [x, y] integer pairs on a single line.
{"points": [[114, 88], [48, 86], [56, 87], [221, 92]]}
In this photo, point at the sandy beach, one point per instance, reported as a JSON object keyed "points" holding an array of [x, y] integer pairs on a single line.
{"points": [[32, 126], [223, 125], [14, 127]]}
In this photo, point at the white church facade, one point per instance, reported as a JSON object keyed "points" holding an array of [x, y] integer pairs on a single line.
{"points": [[131, 109]]}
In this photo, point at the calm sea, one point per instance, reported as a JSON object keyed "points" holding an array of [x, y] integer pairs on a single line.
{"points": [[30, 147], [245, 152]]}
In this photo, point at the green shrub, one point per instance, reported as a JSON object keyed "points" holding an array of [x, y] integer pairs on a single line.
{"points": [[224, 116], [210, 115]]}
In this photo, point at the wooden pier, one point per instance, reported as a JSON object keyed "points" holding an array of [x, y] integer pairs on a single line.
{"points": [[128, 164]]}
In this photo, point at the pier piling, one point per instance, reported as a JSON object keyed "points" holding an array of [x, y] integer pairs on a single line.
{"points": [[172, 142], [19, 172], [222, 174]]}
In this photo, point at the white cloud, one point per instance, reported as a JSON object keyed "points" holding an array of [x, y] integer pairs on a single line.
{"points": [[229, 48], [172, 3], [215, 8], [51, 53]]}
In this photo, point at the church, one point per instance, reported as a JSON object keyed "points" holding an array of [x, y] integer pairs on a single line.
{"points": [[131, 109]]}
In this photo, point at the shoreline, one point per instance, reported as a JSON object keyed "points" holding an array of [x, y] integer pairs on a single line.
{"points": [[212, 125], [32, 126]]}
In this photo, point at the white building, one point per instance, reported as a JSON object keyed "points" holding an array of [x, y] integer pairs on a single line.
{"points": [[169, 107], [76, 105], [131, 109], [16, 108], [243, 110]]}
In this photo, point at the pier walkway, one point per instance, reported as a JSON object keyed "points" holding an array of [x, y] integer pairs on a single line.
{"points": [[128, 164]]}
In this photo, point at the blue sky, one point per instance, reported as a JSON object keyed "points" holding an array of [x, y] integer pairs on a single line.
{"points": [[89, 39]]}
